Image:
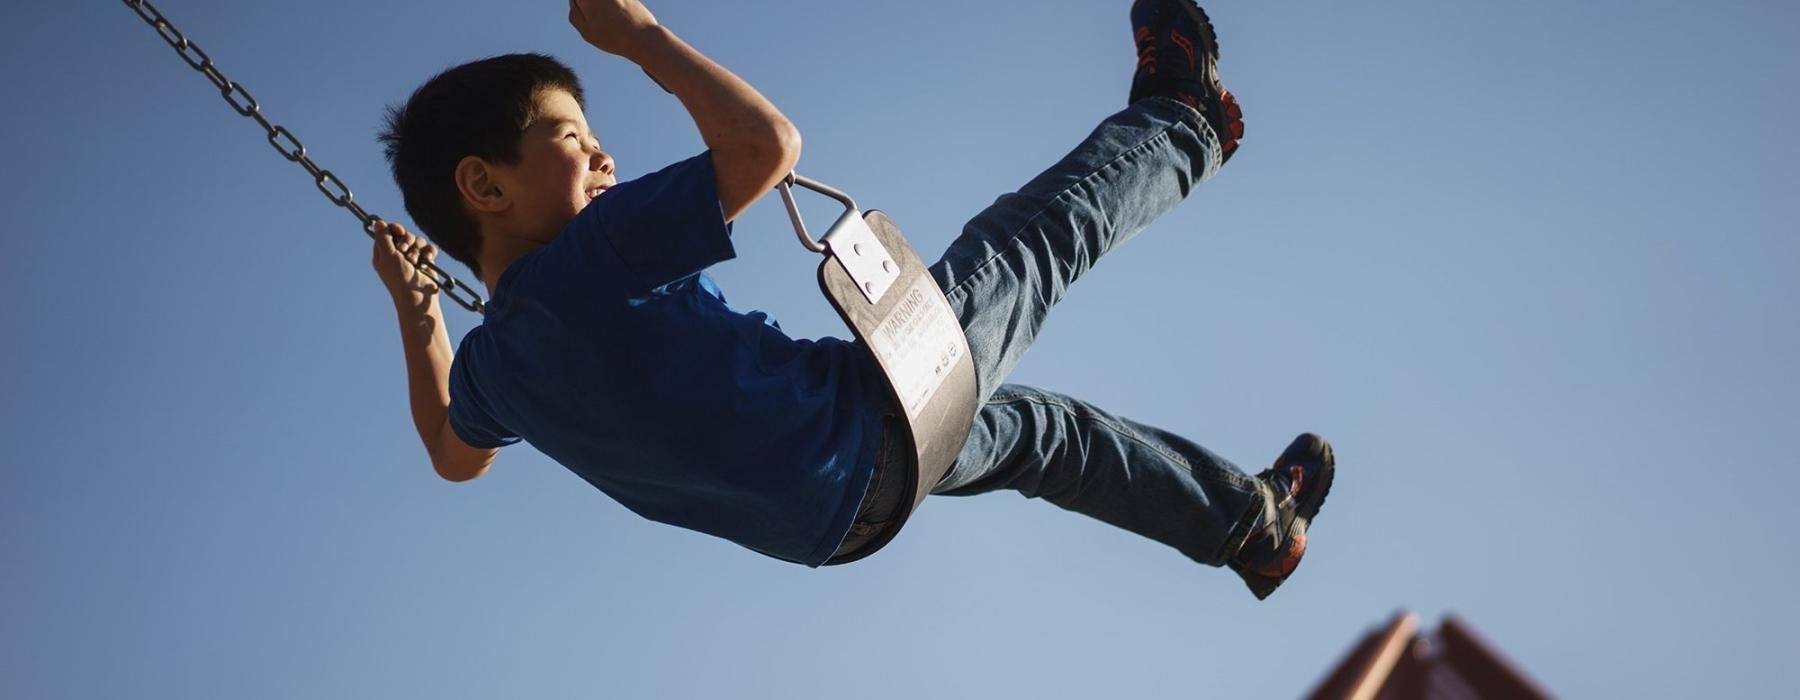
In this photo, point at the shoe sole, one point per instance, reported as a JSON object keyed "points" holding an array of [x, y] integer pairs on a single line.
{"points": [[1210, 40]]}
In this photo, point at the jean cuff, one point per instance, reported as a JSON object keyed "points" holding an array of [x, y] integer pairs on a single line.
{"points": [[1240, 530], [1178, 111]]}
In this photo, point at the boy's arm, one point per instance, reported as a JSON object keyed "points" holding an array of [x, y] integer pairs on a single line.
{"points": [[753, 145], [428, 354]]}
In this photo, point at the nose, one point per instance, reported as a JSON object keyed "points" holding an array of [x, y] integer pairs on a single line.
{"points": [[601, 161]]}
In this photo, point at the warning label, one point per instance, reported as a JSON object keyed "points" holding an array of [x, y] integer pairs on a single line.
{"points": [[920, 341]]}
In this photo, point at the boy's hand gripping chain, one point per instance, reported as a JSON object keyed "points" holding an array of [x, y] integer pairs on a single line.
{"points": [[290, 147]]}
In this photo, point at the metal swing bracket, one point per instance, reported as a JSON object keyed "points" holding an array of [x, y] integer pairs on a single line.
{"points": [[849, 240]]}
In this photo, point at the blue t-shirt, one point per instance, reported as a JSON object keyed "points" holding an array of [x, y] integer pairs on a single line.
{"points": [[611, 352]]}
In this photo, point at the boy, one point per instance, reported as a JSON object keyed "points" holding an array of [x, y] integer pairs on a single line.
{"points": [[605, 346]]}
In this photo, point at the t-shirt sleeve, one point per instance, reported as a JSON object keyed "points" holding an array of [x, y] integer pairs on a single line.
{"points": [[662, 227], [469, 418]]}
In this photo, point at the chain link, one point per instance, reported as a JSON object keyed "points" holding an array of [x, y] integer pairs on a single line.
{"points": [[290, 147]]}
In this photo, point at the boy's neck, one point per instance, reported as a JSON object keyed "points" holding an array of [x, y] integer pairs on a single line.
{"points": [[499, 253]]}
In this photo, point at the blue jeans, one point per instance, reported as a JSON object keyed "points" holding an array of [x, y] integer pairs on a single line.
{"points": [[1013, 262]]}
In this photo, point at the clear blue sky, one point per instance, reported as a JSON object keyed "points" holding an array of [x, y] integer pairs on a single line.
{"points": [[1532, 266]]}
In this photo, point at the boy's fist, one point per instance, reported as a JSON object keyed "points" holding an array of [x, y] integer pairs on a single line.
{"points": [[610, 25], [397, 255]]}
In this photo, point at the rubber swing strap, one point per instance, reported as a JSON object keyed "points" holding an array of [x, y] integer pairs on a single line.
{"points": [[890, 301]]}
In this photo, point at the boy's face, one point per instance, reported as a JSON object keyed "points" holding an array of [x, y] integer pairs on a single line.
{"points": [[561, 168]]}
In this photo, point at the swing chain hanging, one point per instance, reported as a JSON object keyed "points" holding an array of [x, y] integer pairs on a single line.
{"points": [[289, 146]]}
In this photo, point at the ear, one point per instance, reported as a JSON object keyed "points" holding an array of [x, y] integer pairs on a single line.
{"points": [[479, 186]]}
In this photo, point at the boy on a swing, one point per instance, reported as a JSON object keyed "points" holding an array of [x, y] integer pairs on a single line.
{"points": [[606, 346]]}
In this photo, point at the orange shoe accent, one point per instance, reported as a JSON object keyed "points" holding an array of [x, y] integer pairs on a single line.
{"points": [[1234, 117], [1296, 549], [1283, 567], [1187, 47]]}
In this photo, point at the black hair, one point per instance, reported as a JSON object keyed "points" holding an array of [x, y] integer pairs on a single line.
{"points": [[476, 109]]}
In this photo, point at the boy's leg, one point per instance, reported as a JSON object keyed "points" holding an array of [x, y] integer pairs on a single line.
{"points": [[1146, 480], [1017, 258]]}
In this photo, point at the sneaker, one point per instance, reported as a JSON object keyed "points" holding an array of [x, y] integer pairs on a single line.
{"points": [[1297, 485], [1178, 57]]}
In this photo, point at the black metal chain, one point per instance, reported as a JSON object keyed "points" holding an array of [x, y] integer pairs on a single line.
{"points": [[290, 147]]}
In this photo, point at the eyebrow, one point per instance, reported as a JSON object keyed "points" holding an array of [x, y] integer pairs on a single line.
{"points": [[557, 123]]}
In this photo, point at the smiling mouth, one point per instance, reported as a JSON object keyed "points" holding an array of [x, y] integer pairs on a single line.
{"points": [[596, 191]]}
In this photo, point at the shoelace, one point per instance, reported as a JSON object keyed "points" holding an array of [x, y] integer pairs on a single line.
{"points": [[1146, 46], [1281, 529]]}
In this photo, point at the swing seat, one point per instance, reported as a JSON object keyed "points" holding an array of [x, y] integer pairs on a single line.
{"points": [[899, 315]]}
